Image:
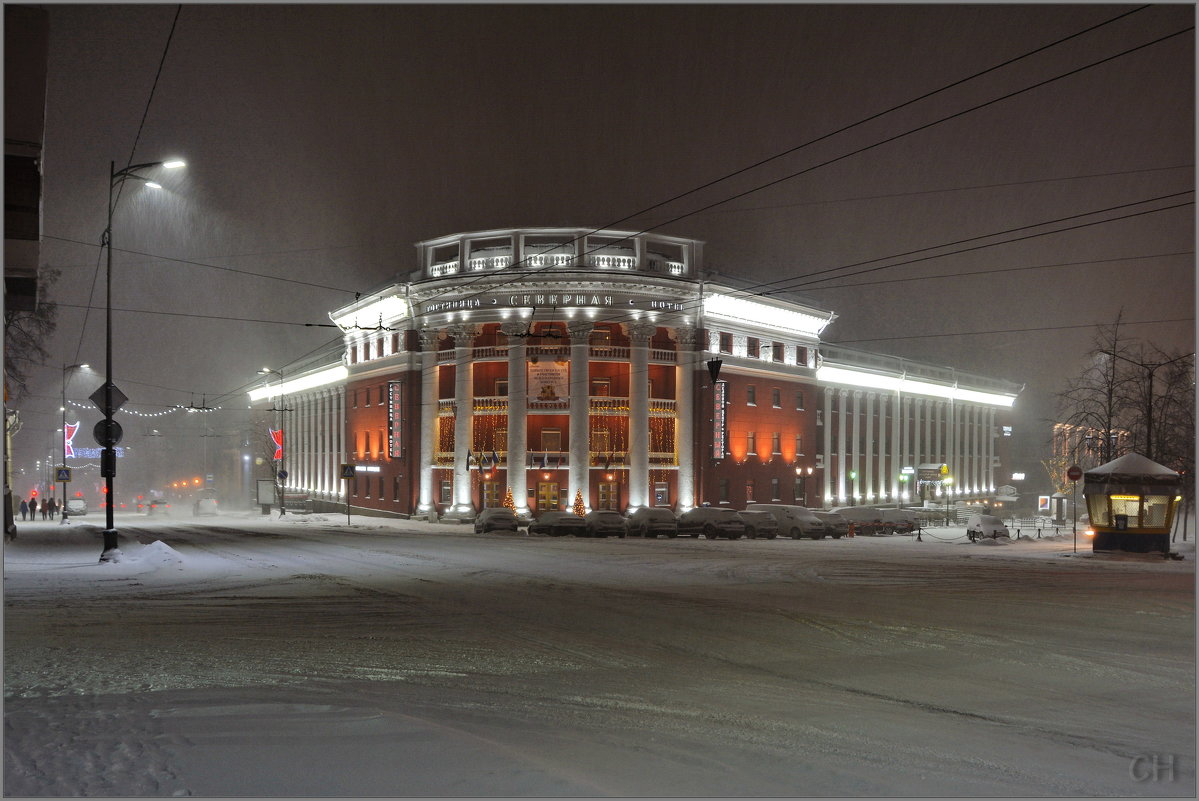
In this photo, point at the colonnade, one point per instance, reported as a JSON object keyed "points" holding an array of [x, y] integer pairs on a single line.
{"points": [[314, 442], [866, 449]]}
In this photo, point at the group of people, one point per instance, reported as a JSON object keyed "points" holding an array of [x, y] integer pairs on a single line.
{"points": [[48, 508]]}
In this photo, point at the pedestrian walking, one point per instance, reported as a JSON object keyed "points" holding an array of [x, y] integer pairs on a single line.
{"points": [[45, 507], [53, 507], [24, 508], [33, 508]]}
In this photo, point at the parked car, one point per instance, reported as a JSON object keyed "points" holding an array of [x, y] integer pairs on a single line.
{"points": [[604, 522], [76, 507], [650, 521], [979, 526], [205, 506], [794, 521], [902, 521], [558, 524], [835, 525], [760, 524], [712, 521], [159, 506], [496, 519], [867, 521]]}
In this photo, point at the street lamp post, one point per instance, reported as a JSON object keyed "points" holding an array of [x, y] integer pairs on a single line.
{"points": [[65, 368], [281, 473], [108, 457]]}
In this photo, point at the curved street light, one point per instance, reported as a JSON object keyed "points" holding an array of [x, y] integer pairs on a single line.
{"points": [[108, 457]]}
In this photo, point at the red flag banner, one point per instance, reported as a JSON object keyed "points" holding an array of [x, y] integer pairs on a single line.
{"points": [[277, 436]]}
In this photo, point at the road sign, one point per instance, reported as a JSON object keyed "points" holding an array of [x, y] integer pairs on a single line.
{"points": [[107, 433], [348, 470], [62, 474], [116, 398], [1074, 473], [282, 474]]}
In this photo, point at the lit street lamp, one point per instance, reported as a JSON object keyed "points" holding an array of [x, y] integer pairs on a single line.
{"points": [[108, 393]]}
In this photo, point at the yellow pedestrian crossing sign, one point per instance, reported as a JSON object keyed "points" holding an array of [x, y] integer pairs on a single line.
{"points": [[62, 473]]}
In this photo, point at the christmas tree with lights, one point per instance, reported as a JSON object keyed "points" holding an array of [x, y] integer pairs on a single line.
{"points": [[509, 501], [579, 509]]}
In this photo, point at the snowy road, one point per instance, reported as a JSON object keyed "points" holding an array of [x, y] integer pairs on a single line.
{"points": [[236, 656]]}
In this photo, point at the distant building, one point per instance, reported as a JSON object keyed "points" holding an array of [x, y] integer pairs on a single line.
{"points": [[561, 361]]}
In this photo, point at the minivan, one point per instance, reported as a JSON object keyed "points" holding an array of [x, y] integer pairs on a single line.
{"points": [[794, 521]]}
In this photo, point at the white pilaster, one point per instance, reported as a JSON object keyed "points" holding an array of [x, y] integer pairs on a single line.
{"points": [[518, 416], [428, 421], [640, 334], [463, 416], [579, 469], [684, 431], [842, 470], [826, 487]]}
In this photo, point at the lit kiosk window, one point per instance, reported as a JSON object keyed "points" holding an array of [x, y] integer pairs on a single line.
{"points": [[1131, 502]]}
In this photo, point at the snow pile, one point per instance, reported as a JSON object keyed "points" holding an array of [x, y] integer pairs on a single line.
{"points": [[994, 541], [158, 554]]}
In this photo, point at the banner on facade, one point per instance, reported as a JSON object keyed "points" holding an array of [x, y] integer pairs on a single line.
{"points": [[395, 394], [549, 381], [719, 422]]}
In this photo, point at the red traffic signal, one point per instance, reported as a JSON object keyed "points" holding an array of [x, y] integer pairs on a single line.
{"points": [[33, 494]]}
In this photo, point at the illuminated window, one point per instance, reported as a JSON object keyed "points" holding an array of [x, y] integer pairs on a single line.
{"points": [[601, 387], [749, 491]]}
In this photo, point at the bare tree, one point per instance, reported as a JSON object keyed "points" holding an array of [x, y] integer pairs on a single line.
{"points": [[26, 334], [1098, 400]]}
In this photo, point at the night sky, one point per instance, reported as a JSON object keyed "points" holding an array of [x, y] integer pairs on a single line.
{"points": [[323, 141]]}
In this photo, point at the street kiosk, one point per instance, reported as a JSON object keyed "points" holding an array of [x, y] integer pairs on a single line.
{"points": [[1131, 501]]}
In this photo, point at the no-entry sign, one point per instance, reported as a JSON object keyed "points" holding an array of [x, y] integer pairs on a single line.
{"points": [[1074, 473]]}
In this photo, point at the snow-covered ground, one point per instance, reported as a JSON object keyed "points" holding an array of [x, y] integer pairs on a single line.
{"points": [[247, 656]]}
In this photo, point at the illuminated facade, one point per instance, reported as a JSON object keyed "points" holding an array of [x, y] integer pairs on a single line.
{"points": [[556, 363]]}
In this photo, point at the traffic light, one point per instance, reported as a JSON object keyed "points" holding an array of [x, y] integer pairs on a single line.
{"points": [[33, 494]]}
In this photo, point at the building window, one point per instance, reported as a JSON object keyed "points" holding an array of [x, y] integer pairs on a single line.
{"points": [[491, 495], [726, 343], [381, 445], [551, 439], [751, 443], [723, 491], [776, 397], [366, 485], [379, 347], [501, 387], [600, 440], [799, 444], [447, 492], [382, 394], [751, 395], [380, 496], [601, 387], [801, 357], [366, 396], [799, 401], [749, 491], [776, 443], [778, 351], [395, 343], [354, 397], [774, 490], [395, 489], [820, 417], [752, 347], [801, 490]]}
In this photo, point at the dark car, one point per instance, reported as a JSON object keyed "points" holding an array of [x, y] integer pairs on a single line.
{"points": [[712, 521], [834, 524], [604, 522], [760, 524], [496, 519], [650, 521], [558, 524]]}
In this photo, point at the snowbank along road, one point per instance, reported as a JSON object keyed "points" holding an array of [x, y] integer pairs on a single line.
{"points": [[303, 656]]}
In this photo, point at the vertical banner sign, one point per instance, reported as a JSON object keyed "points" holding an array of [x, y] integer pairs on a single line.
{"points": [[549, 382], [68, 434], [277, 436], [395, 394], [719, 394]]}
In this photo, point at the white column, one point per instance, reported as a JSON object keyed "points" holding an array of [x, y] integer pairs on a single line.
{"points": [[579, 469], [464, 404], [339, 443], [855, 463], [640, 334], [842, 397], [428, 421], [869, 468], [518, 416], [972, 446], [989, 473], [827, 478], [684, 432], [937, 426], [917, 443], [905, 418]]}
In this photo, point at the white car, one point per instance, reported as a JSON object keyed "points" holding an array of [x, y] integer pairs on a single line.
{"points": [[498, 518], [650, 521], [979, 526], [602, 522], [205, 506], [75, 507], [794, 521]]}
